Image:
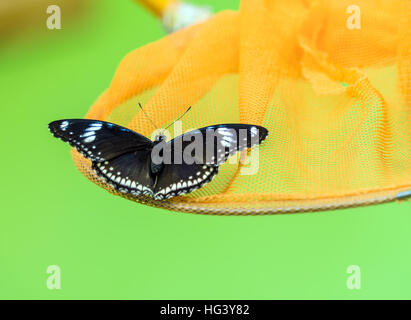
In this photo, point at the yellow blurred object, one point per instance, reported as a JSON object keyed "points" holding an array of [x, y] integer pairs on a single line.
{"points": [[157, 6], [336, 100], [177, 15]]}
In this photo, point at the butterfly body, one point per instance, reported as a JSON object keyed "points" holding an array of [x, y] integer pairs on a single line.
{"points": [[133, 164]]}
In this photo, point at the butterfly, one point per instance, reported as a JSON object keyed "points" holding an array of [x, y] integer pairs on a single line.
{"points": [[133, 164]]}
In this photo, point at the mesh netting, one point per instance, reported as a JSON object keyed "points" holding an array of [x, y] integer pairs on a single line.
{"points": [[337, 102]]}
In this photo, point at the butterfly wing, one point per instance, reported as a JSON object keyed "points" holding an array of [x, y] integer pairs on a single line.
{"points": [[196, 156], [178, 179], [218, 142], [128, 173], [120, 156], [98, 140]]}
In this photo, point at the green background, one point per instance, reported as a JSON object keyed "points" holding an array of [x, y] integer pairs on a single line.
{"points": [[108, 247]]}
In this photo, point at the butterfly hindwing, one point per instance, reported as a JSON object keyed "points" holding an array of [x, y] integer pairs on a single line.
{"points": [[98, 140], [128, 173], [179, 179]]}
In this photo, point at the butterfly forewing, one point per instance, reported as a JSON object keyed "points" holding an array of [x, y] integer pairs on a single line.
{"points": [[98, 140], [214, 144]]}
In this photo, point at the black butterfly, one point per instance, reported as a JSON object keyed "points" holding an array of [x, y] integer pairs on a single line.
{"points": [[126, 161]]}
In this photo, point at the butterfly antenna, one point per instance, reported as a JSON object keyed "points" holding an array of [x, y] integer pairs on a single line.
{"points": [[154, 125], [179, 117]]}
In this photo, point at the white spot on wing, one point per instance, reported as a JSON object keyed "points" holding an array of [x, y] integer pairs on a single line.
{"points": [[64, 125], [254, 131], [88, 134], [89, 139]]}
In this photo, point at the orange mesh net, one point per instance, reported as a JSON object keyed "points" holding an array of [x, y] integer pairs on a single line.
{"points": [[336, 100]]}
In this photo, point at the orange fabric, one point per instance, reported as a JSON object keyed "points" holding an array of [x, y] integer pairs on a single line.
{"points": [[337, 102]]}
